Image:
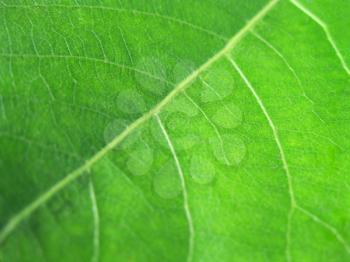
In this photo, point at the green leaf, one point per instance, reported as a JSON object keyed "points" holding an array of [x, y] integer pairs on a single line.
{"points": [[174, 130]]}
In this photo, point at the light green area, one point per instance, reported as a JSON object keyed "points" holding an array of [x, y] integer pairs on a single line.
{"points": [[174, 130]]}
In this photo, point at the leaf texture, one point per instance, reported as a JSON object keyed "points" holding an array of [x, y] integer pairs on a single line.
{"points": [[174, 130]]}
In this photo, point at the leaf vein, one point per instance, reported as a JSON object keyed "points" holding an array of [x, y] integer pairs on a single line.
{"points": [[184, 190], [96, 221], [280, 148], [324, 27], [86, 58]]}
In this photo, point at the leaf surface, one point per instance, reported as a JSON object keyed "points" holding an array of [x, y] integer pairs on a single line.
{"points": [[174, 130]]}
